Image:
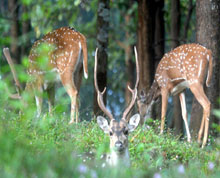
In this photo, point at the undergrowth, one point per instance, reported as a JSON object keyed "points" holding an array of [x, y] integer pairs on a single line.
{"points": [[49, 147]]}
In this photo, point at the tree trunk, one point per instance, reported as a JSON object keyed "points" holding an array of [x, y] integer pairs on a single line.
{"points": [[14, 48], [188, 18], [158, 45], [175, 35], [102, 44], [26, 28], [145, 41], [207, 34], [159, 31]]}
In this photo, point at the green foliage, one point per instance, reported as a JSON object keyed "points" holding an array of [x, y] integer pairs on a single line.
{"points": [[49, 147]]}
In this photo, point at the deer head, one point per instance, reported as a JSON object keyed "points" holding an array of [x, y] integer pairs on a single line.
{"points": [[145, 101], [117, 130]]}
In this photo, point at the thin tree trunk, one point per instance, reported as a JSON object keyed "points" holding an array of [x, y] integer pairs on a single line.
{"points": [[207, 34], [26, 28], [159, 45], [145, 41], [188, 17], [159, 31], [175, 34], [102, 45], [14, 30]]}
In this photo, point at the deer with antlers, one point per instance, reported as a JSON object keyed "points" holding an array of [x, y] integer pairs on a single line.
{"points": [[184, 67], [117, 130], [61, 61]]}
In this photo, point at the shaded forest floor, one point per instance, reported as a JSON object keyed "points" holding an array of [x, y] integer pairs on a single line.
{"points": [[49, 147]]}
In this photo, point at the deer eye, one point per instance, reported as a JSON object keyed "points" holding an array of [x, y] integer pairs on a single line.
{"points": [[110, 133], [126, 132]]}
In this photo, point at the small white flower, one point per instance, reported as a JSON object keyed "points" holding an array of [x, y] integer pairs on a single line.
{"points": [[177, 156], [157, 175], [211, 165], [181, 169], [82, 168], [103, 165]]}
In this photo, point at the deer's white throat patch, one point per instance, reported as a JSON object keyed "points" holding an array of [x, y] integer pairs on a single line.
{"points": [[114, 158]]}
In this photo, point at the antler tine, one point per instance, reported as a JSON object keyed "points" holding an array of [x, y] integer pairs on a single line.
{"points": [[134, 91], [100, 94], [137, 67], [11, 65]]}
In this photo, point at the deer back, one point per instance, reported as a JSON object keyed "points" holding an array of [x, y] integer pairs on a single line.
{"points": [[58, 50]]}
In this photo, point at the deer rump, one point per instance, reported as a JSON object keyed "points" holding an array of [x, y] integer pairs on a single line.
{"points": [[56, 57]]}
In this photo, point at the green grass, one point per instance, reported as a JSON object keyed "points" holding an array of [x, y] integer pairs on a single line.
{"points": [[49, 147]]}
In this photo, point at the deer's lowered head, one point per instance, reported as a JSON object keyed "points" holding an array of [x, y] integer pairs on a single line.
{"points": [[145, 101]]}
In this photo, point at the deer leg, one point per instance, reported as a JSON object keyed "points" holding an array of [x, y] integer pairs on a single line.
{"points": [[77, 80], [74, 106], [184, 114], [51, 97], [39, 99], [73, 94], [78, 77], [201, 130], [163, 110], [199, 94]]}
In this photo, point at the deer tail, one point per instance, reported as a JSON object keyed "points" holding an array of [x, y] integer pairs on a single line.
{"points": [[85, 57], [209, 75]]}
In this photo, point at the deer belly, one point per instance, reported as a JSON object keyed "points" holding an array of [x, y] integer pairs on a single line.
{"points": [[179, 88]]}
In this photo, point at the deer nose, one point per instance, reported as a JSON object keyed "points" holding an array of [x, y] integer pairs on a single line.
{"points": [[118, 144]]}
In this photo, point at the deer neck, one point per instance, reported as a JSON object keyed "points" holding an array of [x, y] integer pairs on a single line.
{"points": [[114, 158], [153, 93]]}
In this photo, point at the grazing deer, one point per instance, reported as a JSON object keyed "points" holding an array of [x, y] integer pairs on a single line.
{"points": [[118, 130], [183, 67], [62, 61]]}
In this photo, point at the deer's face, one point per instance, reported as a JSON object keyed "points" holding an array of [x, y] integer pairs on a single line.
{"points": [[118, 131], [143, 106]]}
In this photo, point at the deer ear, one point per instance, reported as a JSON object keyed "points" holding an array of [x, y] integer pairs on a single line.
{"points": [[133, 122], [103, 124]]}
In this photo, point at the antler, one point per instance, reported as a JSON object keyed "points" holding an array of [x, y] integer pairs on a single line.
{"points": [[11, 64], [134, 91], [100, 94]]}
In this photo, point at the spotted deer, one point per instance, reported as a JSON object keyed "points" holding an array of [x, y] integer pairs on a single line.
{"points": [[184, 67], [117, 130], [61, 61]]}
